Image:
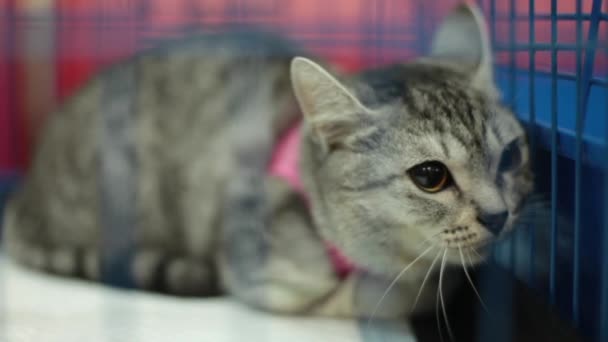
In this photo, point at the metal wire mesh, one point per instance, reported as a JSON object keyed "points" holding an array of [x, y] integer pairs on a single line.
{"points": [[556, 81], [552, 66]]}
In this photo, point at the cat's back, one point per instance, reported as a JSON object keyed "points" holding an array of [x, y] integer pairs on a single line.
{"points": [[189, 89], [173, 104], [176, 96], [179, 85]]}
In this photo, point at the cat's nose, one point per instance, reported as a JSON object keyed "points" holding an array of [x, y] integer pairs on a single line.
{"points": [[494, 222]]}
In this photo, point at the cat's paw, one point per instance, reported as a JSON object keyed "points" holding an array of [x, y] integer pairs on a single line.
{"points": [[181, 276]]}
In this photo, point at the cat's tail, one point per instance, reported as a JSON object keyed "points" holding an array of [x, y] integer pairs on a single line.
{"points": [[11, 243], [15, 228], [27, 242]]}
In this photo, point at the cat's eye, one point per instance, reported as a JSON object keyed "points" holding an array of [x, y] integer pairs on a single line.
{"points": [[431, 176], [511, 157]]}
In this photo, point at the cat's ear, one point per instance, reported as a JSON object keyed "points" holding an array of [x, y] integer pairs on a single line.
{"points": [[332, 112], [463, 37]]}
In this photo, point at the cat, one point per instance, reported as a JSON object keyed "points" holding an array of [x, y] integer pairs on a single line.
{"points": [[406, 174]]}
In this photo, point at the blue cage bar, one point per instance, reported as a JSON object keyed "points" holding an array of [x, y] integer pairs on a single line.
{"points": [[552, 68]]}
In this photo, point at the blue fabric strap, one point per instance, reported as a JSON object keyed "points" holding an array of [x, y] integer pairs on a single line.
{"points": [[117, 176]]}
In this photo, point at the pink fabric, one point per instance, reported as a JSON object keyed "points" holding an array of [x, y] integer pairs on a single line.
{"points": [[284, 164], [285, 158], [342, 265]]}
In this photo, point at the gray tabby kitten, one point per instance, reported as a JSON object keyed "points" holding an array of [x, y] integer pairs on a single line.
{"points": [[402, 166]]}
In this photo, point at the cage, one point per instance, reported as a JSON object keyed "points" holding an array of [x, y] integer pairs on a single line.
{"points": [[551, 65]]}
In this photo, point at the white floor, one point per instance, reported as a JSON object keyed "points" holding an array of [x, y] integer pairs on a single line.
{"points": [[37, 307]]}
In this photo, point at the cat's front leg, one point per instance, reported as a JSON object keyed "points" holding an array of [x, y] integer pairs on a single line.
{"points": [[365, 295], [272, 258]]}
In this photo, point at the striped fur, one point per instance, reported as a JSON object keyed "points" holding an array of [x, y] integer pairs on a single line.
{"points": [[206, 113]]}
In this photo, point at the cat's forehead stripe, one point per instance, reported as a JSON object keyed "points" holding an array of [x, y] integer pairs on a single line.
{"points": [[457, 149], [444, 148], [437, 104]]}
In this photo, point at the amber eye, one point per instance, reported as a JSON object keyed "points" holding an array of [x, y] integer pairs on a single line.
{"points": [[430, 176]]}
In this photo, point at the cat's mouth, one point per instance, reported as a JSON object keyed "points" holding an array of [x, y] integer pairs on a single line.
{"points": [[463, 239], [466, 250]]}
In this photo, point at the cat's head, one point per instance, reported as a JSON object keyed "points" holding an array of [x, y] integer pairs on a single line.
{"points": [[415, 152]]}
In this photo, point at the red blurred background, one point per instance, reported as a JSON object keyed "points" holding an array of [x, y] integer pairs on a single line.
{"points": [[49, 47]]}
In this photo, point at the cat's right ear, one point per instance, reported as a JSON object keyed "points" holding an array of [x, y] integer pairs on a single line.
{"points": [[332, 112], [463, 37]]}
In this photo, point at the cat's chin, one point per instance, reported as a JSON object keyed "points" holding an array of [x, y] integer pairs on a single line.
{"points": [[475, 255], [478, 257]]}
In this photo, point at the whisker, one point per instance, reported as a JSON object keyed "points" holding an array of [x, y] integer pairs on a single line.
{"points": [[427, 240], [470, 250], [439, 330], [390, 286], [445, 315], [471, 264], [426, 277], [476, 253], [464, 267]]}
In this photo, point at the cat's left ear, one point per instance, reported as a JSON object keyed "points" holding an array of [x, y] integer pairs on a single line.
{"points": [[463, 37], [332, 112]]}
